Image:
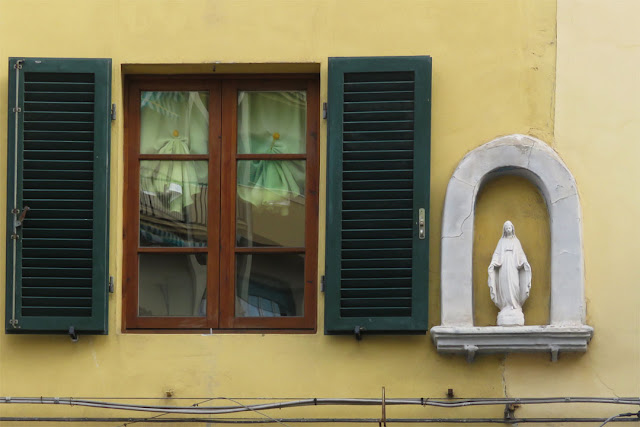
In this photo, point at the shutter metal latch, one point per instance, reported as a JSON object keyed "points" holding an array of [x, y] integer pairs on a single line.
{"points": [[323, 283], [17, 220], [421, 224], [111, 285], [73, 334], [113, 112], [324, 110]]}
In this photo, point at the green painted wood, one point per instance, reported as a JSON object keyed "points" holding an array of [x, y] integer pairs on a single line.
{"points": [[63, 146], [379, 121]]}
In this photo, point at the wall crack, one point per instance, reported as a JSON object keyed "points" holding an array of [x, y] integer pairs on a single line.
{"points": [[605, 384], [562, 198], [462, 180], [503, 368]]}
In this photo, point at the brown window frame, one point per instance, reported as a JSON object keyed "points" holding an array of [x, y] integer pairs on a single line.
{"points": [[221, 244]]}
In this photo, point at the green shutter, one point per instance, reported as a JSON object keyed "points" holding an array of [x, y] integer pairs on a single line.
{"points": [[377, 181], [58, 166]]}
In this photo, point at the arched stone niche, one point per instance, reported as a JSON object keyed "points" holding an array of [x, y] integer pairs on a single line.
{"points": [[534, 160]]}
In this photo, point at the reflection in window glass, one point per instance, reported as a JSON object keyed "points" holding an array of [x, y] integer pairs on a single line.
{"points": [[272, 122], [270, 204], [173, 203], [172, 285], [269, 285], [174, 122]]}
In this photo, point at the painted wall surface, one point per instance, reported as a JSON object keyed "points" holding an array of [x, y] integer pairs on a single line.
{"points": [[596, 132], [494, 73]]}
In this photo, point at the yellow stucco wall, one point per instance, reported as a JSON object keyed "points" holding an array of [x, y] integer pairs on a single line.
{"points": [[494, 73], [597, 132]]}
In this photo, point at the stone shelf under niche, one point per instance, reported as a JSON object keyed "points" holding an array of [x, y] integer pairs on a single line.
{"points": [[473, 340]]}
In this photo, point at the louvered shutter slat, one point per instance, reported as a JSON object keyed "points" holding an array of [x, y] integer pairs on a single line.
{"points": [[378, 174], [62, 147]]}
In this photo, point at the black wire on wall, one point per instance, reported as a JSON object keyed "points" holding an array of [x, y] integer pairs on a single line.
{"points": [[198, 409]]}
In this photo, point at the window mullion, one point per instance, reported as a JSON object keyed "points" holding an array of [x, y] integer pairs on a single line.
{"points": [[214, 230], [227, 205]]}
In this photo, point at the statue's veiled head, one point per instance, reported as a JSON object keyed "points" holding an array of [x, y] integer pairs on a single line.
{"points": [[508, 230]]}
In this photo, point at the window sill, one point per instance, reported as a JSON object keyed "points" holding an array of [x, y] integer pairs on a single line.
{"points": [[205, 332], [471, 340]]}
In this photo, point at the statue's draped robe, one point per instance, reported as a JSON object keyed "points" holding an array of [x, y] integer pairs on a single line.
{"points": [[509, 274]]}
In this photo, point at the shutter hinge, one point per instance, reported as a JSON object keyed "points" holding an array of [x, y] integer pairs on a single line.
{"points": [[111, 285], [324, 110], [357, 332], [113, 112], [323, 283], [17, 110]]}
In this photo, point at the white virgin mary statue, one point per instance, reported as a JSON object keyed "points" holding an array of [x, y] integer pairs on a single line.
{"points": [[509, 278]]}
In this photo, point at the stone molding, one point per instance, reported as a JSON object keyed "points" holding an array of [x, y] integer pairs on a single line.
{"points": [[534, 160], [508, 339]]}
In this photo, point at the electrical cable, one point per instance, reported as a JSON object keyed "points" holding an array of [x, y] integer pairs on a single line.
{"points": [[626, 414], [217, 410], [152, 419], [259, 413], [128, 421]]}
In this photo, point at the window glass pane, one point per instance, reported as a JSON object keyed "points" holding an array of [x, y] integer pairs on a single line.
{"points": [[272, 122], [269, 285], [174, 122], [173, 203], [172, 285], [270, 203]]}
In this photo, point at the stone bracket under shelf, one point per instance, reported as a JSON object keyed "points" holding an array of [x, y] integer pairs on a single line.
{"points": [[471, 340]]}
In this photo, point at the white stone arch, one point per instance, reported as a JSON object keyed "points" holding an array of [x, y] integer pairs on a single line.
{"points": [[534, 160]]}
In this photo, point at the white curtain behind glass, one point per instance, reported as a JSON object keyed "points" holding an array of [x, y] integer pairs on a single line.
{"points": [[174, 123], [268, 123], [271, 123]]}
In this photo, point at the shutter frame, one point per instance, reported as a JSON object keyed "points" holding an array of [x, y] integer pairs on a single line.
{"points": [[95, 320], [417, 322]]}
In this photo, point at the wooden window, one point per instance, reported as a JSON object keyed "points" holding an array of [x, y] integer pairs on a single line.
{"points": [[221, 202]]}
